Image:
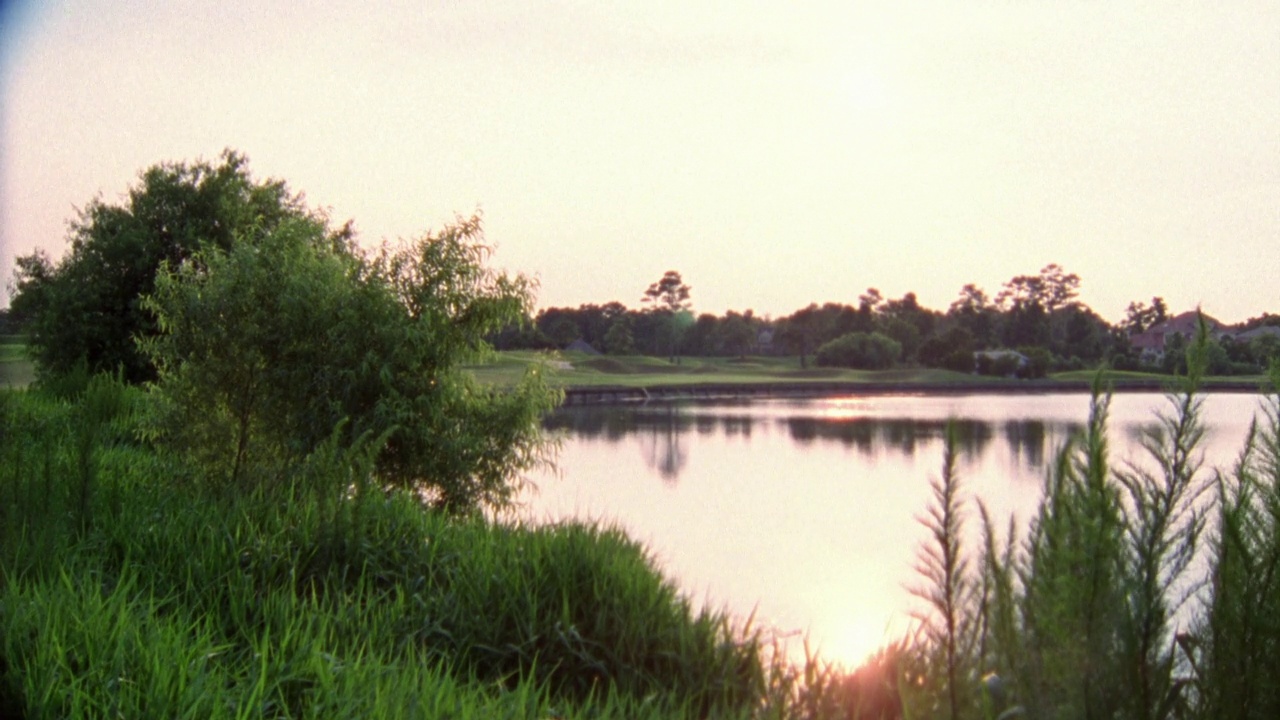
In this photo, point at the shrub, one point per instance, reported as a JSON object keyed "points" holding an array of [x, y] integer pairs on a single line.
{"points": [[861, 351], [268, 348], [87, 305]]}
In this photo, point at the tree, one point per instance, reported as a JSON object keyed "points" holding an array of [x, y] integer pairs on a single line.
{"points": [[1030, 301], [669, 296], [285, 342], [800, 332], [952, 350], [88, 305], [861, 351], [669, 293], [735, 335], [974, 311], [1140, 318], [619, 341]]}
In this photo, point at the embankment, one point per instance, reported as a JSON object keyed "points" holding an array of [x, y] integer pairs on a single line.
{"points": [[608, 394]]}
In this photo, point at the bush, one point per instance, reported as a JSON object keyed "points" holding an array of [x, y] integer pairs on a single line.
{"points": [[1038, 361], [268, 348], [173, 602], [860, 351], [86, 307]]}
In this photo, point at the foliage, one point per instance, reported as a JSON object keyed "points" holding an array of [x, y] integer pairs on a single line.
{"points": [[668, 293], [950, 625], [952, 350], [668, 301], [1234, 645], [1077, 617], [88, 304], [860, 351], [268, 348], [619, 340], [1139, 317], [164, 601]]}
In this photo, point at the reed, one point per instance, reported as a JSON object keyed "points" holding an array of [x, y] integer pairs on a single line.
{"points": [[129, 591]]}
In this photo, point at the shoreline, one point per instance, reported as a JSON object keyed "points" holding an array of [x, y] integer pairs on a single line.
{"points": [[667, 392]]}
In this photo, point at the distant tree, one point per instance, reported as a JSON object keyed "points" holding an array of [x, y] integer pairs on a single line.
{"points": [[1174, 360], [561, 329], [700, 337], [1265, 319], [1026, 324], [669, 296], [952, 350], [1038, 360], [1059, 287], [736, 334], [904, 333], [87, 306], [668, 293], [1079, 332], [619, 340], [1140, 318], [908, 310], [858, 350], [870, 300], [868, 305], [974, 311], [1265, 350], [1029, 301], [1051, 289], [800, 332]]}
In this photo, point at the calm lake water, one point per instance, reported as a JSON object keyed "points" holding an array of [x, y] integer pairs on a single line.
{"points": [[804, 511]]}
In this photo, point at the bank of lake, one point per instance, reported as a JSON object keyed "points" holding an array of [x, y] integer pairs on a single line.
{"points": [[608, 379]]}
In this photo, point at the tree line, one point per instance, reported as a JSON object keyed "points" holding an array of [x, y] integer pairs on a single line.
{"points": [[264, 335], [89, 305], [1037, 316]]}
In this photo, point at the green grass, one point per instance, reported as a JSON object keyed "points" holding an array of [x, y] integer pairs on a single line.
{"points": [[16, 369], [1120, 377], [129, 588], [581, 370]]}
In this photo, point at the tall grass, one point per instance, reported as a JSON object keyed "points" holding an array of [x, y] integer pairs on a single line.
{"points": [[1235, 649], [1112, 604], [127, 590]]}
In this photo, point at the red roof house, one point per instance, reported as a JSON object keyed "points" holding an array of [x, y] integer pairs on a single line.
{"points": [[1152, 341]]}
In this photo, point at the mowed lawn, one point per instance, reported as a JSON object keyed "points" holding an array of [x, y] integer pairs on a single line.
{"points": [[16, 369], [573, 369]]}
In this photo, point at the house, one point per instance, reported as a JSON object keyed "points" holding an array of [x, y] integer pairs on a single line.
{"points": [[1007, 363], [1150, 343], [764, 341], [1249, 335], [581, 346]]}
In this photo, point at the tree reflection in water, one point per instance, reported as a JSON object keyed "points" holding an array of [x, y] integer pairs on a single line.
{"points": [[659, 428]]}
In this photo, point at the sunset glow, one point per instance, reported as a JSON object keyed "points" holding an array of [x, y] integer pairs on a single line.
{"points": [[775, 155]]}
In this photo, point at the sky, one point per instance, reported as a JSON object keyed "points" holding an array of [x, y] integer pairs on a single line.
{"points": [[774, 153]]}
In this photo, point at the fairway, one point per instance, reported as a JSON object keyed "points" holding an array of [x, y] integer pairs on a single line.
{"points": [[574, 370], [16, 369]]}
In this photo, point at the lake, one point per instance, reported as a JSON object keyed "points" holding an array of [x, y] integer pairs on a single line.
{"points": [[803, 512]]}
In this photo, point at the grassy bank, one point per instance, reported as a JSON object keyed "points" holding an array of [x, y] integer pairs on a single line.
{"points": [[16, 370], [579, 370], [130, 589]]}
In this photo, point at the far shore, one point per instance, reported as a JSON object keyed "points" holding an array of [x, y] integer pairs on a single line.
{"points": [[608, 394], [589, 379]]}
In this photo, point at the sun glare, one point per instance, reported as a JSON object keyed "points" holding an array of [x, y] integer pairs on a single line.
{"points": [[850, 643]]}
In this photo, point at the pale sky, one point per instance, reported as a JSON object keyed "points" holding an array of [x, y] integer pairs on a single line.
{"points": [[775, 153]]}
